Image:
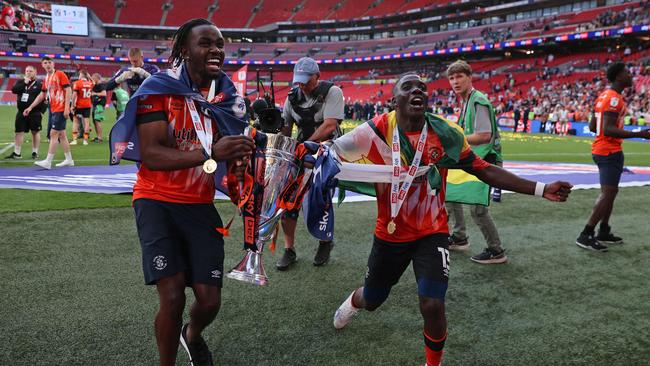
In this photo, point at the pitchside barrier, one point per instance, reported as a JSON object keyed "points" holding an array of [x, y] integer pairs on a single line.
{"points": [[575, 128]]}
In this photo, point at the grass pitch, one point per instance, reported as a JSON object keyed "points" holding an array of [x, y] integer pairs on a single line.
{"points": [[73, 293]]}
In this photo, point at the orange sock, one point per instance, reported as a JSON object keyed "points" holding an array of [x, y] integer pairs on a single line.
{"points": [[433, 349], [75, 135], [86, 135]]}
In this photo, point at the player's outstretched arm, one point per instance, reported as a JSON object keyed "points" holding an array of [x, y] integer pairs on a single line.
{"points": [[610, 129], [119, 78], [501, 178]]}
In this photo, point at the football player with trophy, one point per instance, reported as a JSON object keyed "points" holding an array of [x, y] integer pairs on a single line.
{"points": [[185, 127]]}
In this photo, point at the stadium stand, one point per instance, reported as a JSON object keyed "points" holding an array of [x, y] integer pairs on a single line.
{"points": [[149, 12], [105, 10], [350, 9], [315, 9], [508, 78], [272, 11]]}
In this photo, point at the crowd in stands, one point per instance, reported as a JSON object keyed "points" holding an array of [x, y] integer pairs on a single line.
{"points": [[627, 17], [558, 96], [25, 17], [493, 36]]}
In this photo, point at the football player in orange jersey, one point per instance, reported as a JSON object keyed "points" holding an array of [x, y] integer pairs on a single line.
{"points": [[56, 89], [418, 233], [607, 153], [173, 194], [81, 104]]}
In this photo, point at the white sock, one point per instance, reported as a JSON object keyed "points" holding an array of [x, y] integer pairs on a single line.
{"points": [[35, 150], [68, 155], [50, 157], [18, 149]]}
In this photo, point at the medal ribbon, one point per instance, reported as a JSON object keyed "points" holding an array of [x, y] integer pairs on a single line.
{"points": [[203, 128], [397, 193], [248, 195]]}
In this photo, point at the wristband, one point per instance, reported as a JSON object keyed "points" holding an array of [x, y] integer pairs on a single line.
{"points": [[539, 189]]}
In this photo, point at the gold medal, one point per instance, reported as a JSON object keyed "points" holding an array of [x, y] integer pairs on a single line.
{"points": [[391, 227], [210, 166]]}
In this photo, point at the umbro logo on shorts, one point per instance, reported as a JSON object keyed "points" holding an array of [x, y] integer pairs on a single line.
{"points": [[216, 273]]}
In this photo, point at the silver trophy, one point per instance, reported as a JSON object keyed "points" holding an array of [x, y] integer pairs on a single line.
{"points": [[280, 169]]}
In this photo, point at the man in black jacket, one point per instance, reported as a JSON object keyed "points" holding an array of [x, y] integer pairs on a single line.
{"points": [[27, 90]]}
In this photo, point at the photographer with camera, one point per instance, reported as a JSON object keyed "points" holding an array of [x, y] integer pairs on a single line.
{"points": [[316, 108]]}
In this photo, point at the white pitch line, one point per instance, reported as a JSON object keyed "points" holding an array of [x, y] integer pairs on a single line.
{"points": [[79, 160], [4, 149]]}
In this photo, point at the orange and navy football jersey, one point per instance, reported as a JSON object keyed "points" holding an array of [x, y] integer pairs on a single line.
{"points": [[422, 214], [608, 101], [83, 89], [190, 185], [54, 86]]}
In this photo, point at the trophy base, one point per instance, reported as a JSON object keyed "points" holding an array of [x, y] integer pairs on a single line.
{"points": [[256, 279], [250, 270]]}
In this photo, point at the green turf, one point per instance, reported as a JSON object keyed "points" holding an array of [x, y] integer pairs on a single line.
{"points": [[569, 149], [91, 154], [72, 294], [19, 200]]}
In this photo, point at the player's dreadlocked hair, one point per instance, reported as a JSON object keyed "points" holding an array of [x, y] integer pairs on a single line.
{"points": [[180, 37], [614, 70]]}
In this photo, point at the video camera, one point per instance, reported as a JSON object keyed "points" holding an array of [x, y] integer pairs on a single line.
{"points": [[268, 118]]}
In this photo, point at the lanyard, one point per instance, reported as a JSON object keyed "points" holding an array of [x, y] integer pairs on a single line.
{"points": [[465, 104], [203, 128], [397, 194], [48, 82], [30, 85]]}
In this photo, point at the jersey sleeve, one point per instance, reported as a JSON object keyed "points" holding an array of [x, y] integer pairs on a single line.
{"points": [[76, 86], [151, 108], [286, 113], [612, 103], [112, 84], [334, 104], [152, 69], [63, 79]]}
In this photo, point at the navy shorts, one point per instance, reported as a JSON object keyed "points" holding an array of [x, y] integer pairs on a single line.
{"points": [[388, 261], [83, 112], [57, 121], [610, 168], [292, 214], [177, 237]]}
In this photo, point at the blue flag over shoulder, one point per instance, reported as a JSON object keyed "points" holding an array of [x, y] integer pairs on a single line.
{"points": [[227, 109]]}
